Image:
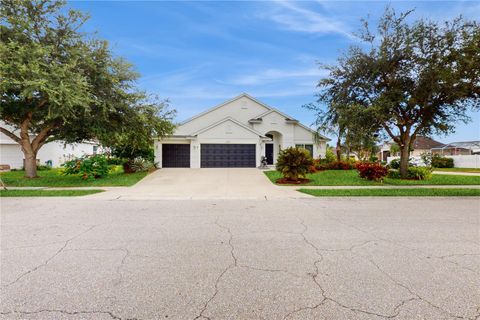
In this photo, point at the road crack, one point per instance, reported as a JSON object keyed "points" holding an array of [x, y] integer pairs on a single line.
{"points": [[232, 265], [46, 262]]}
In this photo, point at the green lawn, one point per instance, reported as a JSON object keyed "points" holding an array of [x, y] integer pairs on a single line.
{"points": [[351, 178], [473, 170], [47, 193], [54, 178], [414, 192]]}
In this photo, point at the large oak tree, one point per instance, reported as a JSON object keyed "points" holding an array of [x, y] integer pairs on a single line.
{"points": [[58, 83], [411, 79]]}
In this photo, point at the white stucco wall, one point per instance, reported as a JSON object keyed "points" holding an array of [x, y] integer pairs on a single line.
{"points": [[12, 155]]}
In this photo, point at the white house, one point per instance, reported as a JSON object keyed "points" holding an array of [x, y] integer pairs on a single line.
{"points": [[236, 133], [55, 153]]}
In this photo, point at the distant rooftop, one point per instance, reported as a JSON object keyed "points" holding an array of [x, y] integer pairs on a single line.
{"points": [[474, 146]]}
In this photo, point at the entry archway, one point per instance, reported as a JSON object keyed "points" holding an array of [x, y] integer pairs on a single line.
{"points": [[273, 147]]}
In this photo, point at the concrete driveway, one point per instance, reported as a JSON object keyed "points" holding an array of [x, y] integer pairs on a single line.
{"points": [[218, 183], [342, 258]]}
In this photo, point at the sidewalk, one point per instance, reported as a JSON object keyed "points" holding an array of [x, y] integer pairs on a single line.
{"points": [[457, 173]]}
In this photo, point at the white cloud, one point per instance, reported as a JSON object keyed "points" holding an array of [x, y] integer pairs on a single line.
{"points": [[276, 75], [295, 17]]}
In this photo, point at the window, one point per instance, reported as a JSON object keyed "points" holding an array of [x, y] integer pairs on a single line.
{"points": [[95, 149], [308, 147]]}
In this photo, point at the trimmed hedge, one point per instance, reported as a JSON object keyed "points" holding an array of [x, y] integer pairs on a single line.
{"points": [[442, 162]]}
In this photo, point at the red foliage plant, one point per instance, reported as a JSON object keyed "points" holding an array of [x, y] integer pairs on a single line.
{"points": [[340, 165], [371, 171]]}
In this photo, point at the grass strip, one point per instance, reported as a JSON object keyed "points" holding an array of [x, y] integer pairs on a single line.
{"points": [[411, 192], [47, 193], [55, 178], [351, 178]]}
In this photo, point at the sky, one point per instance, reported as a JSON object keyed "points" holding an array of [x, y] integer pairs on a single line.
{"points": [[198, 54]]}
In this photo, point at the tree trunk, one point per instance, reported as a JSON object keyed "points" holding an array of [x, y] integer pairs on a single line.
{"points": [[404, 157], [338, 149], [30, 164], [29, 153]]}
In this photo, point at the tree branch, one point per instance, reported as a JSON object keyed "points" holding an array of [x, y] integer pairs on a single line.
{"points": [[390, 133], [11, 135], [39, 140]]}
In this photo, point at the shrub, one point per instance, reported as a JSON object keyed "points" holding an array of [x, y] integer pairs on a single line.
{"points": [[43, 167], [88, 167], [426, 158], [138, 165], [413, 173], [371, 171], [442, 162], [320, 165], [393, 174], [294, 163], [330, 156], [115, 161], [394, 164], [419, 173], [341, 165]]}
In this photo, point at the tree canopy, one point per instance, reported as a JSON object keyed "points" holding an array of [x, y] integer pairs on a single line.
{"points": [[408, 79], [58, 83]]}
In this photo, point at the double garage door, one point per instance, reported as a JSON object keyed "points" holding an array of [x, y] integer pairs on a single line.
{"points": [[211, 155]]}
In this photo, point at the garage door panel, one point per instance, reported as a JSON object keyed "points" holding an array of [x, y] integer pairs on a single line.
{"points": [[228, 155], [175, 155]]}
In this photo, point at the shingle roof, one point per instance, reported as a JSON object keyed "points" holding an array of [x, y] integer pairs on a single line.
{"points": [[422, 142]]}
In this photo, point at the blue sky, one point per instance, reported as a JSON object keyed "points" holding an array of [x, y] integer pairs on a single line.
{"points": [[198, 54]]}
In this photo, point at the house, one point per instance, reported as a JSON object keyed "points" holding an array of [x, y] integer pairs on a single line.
{"points": [[235, 133], [54, 153], [458, 148], [422, 144]]}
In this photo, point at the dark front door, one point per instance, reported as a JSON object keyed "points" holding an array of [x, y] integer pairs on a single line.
{"points": [[227, 155], [175, 155], [385, 155], [269, 152]]}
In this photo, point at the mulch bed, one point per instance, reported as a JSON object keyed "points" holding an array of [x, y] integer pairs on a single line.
{"points": [[289, 181]]}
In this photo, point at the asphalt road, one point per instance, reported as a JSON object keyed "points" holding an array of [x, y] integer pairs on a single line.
{"points": [[240, 259]]}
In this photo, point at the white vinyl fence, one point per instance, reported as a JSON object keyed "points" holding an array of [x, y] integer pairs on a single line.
{"points": [[470, 161]]}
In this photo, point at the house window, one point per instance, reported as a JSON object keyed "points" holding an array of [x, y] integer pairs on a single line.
{"points": [[308, 147], [95, 149]]}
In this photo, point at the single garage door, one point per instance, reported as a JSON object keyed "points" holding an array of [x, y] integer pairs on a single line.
{"points": [[175, 155], [227, 155]]}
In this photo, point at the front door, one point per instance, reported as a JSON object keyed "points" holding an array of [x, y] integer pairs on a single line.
{"points": [[269, 152]]}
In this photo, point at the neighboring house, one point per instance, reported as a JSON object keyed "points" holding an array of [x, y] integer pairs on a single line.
{"points": [[54, 153], [421, 145], [236, 133], [458, 148]]}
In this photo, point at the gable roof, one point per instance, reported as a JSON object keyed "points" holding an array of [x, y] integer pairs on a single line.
{"points": [[270, 110], [422, 142], [224, 103], [287, 117], [225, 120]]}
